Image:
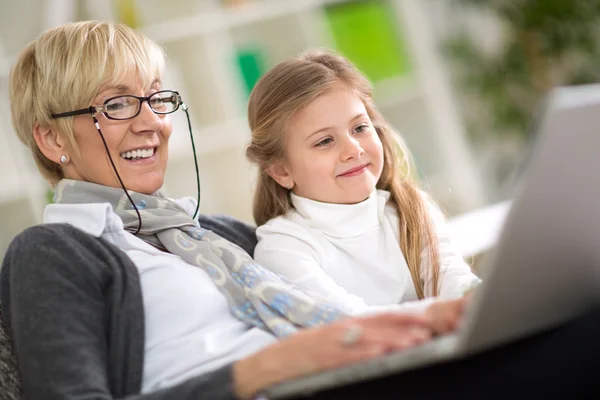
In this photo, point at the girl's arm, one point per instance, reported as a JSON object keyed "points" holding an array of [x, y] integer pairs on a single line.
{"points": [[455, 276], [298, 260]]}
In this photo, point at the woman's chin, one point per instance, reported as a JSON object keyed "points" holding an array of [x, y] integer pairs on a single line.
{"points": [[146, 184]]}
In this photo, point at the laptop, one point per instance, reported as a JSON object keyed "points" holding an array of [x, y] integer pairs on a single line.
{"points": [[545, 267]]}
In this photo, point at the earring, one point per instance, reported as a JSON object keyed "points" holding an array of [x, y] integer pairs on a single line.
{"points": [[63, 159], [289, 186]]}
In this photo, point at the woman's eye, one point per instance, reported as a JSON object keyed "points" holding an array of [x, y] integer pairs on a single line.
{"points": [[324, 142], [115, 106], [118, 104]]}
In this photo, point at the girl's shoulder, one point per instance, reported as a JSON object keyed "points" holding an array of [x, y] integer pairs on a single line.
{"points": [[289, 231], [291, 223]]}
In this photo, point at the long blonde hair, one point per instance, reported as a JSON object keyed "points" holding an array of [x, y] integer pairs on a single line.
{"points": [[292, 85]]}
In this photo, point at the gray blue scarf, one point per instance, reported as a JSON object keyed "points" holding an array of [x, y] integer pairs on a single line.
{"points": [[255, 295]]}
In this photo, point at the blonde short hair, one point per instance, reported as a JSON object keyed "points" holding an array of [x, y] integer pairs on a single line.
{"points": [[65, 68]]}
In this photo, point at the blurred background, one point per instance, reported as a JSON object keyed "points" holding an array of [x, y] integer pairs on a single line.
{"points": [[458, 79]]}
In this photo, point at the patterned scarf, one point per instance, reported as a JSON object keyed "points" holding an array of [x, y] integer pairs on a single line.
{"points": [[255, 295]]}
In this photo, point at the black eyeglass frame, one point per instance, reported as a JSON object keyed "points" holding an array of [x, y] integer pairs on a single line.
{"points": [[93, 110]]}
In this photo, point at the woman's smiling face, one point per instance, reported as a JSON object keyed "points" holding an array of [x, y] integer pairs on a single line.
{"points": [[138, 146]]}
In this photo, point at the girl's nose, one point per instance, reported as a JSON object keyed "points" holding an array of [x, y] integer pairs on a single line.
{"points": [[352, 149]]}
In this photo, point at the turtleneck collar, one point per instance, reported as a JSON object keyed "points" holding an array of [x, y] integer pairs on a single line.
{"points": [[343, 220]]}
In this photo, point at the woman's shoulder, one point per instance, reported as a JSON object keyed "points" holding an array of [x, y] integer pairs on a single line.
{"points": [[59, 247], [37, 237]]}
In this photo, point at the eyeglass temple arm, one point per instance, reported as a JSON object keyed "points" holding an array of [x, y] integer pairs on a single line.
{"points": [[89, 110]]}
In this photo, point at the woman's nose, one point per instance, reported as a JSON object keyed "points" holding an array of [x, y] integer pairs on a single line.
{"points": [[147, 120]]}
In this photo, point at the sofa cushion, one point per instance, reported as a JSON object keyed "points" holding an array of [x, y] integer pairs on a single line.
{"points": [[10, 379]]}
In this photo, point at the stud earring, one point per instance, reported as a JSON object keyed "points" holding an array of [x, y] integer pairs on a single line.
{"points": [[63, 159]]}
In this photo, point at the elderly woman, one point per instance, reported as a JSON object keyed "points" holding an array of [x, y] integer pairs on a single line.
{"points": [[122, 293]]}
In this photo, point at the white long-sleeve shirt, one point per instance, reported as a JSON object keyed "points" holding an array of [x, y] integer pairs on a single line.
{"points": [[350, 254]]}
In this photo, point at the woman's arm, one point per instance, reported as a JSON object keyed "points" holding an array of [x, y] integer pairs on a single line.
{"points": [[55, 286], [318, 349]]}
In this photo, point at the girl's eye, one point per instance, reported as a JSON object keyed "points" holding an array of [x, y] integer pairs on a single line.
{"points": [[361, 128], [324, 142]]}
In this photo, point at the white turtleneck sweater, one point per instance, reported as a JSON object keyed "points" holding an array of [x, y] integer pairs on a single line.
{"points": [[350, 254]]}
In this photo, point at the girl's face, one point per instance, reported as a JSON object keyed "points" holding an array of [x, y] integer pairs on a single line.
{"points": [[138, 146], [333, 153]]}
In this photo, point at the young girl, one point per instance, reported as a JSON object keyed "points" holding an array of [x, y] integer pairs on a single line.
{"points": [[337, 211]]}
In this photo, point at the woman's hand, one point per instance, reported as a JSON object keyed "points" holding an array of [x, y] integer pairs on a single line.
{"points": [[317, 349], [444, 315]]}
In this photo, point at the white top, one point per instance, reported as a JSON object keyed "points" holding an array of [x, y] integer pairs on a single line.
{"points": [[350, 254], [189, 329]]}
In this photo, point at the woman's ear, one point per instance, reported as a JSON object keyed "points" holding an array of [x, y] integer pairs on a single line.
{"points": [[50, 143], [280, 174]]}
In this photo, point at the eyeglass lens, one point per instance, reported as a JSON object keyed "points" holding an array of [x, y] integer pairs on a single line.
{"points": [[124, 107]]}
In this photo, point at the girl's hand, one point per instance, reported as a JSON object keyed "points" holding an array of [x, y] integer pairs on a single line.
{"points": [[317, 349], [444, 315]]}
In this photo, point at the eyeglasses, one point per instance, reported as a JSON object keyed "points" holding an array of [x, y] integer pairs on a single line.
{"points": [[129, 106]]}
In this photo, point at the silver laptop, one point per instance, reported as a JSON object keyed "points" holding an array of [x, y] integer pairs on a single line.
{"points": [[545, 268]]}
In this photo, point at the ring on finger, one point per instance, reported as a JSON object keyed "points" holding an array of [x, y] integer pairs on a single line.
{"points": [[352, 335]]}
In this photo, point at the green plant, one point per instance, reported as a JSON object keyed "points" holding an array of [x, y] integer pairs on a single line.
{"points": [[546, 43], [49, 196]]}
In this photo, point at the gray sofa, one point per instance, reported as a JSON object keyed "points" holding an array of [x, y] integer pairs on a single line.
{"points": [[10, 380]]}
